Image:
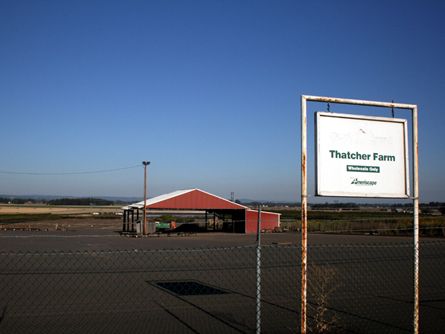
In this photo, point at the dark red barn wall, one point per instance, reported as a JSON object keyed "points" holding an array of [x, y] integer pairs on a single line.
{"points": [[269, 221]]}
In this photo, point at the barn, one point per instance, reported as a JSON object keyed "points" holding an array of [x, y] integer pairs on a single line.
{"points": [[220, 214]]}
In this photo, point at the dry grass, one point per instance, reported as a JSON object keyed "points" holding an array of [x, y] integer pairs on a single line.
{"points": [[322, 285]]}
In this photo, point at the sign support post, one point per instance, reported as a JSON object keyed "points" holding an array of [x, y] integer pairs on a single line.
{"points": [[415, 198], [416, 219], [303, 214]]}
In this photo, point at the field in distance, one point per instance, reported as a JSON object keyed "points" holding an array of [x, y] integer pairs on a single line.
{"points": [[23, 209], [358, 221], [59, 218]]}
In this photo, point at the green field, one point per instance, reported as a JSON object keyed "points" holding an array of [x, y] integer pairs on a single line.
{"points": [[363, 221]]}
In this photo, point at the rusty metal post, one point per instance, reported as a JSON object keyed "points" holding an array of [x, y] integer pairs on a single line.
{"points": [[303, 215], [416, 219], [144, 227]]}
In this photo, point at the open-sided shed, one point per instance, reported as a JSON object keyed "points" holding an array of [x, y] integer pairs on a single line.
{"points": [[235, 217]]}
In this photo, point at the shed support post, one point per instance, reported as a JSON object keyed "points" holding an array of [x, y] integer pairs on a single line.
{"points": [[233, 224], [124, 221], [132, 219]]}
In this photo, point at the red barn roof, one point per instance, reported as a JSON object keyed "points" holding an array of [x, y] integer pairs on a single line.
{"points": [[190, 199]]}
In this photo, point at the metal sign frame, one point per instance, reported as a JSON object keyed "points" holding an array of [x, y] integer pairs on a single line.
{"points": [[405, 176], [304, 190]]}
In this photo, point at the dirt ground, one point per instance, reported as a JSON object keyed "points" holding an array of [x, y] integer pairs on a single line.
{"points": [[104, 234], [45, 209], [67, 225]]}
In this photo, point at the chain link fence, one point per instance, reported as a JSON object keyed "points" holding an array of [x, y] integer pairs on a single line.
{"points": [[355, 288]]}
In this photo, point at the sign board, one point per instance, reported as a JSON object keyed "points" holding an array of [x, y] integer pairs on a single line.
{"points": [[361, 156]]}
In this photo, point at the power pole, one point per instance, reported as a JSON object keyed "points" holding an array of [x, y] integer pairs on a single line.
{"points": [[144, 226]]}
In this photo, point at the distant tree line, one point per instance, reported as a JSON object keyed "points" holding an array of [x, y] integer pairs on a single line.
{"points": [[61, 201], [335, 206], [5, 200], [80, 201]]}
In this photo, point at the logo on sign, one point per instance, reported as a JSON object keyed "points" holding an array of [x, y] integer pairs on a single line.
{"points": [[358, 182]]}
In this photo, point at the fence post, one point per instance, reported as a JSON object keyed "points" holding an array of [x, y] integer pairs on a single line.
{"points": [[258, 274]]}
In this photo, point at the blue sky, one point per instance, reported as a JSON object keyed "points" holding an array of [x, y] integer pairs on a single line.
{"points": [[207, 90]]}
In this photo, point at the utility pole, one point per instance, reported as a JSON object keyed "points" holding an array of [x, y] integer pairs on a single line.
{"points": [[144, 226]]}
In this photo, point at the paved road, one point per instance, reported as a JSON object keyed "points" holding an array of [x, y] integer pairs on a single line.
{"points": [[101, 282], [106, 239]]}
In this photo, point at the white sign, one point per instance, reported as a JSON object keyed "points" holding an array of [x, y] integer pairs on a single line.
{"points": [[360, 156]]}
